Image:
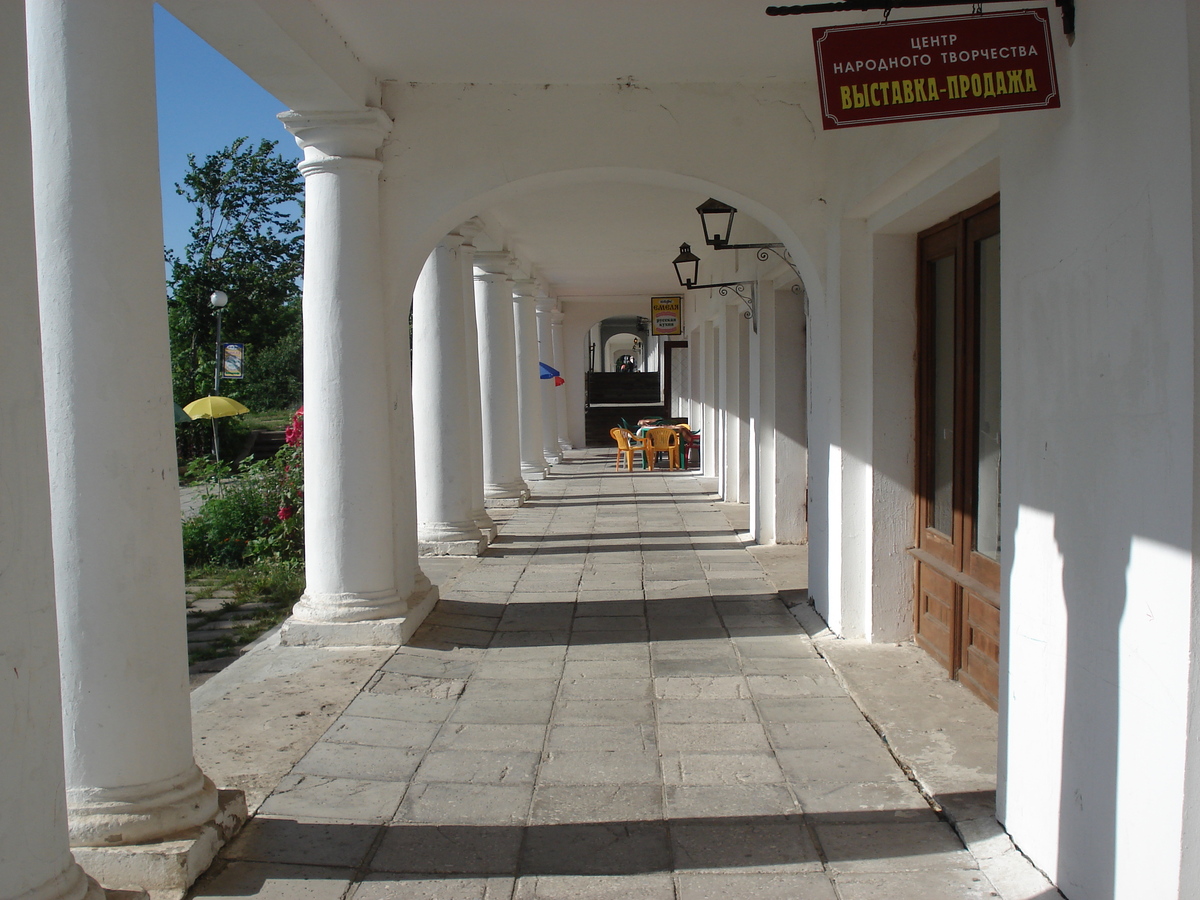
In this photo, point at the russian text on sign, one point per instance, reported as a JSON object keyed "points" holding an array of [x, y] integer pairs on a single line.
{"points": [[953, 81]]}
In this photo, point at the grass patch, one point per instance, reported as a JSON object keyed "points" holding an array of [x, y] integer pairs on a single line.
{"points": [[263, 596], [268, 420]]}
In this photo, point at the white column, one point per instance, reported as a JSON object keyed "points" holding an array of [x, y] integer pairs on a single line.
{"points": [[469, 231], [35, 855], [545, 309], [735, 390], [762, 457], [502, 482], [709, 438], [440, 396], [529, 386], [560, 391], [789, 399], [351, 597], [118, 560]]}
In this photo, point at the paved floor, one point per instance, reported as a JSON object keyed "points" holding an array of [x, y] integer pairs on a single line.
{"points": [[612, 703]]}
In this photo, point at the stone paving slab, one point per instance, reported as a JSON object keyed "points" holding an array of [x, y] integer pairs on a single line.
{"points": [[613, 702]]}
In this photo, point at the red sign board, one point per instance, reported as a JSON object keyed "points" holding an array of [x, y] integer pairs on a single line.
{"points": [[935, 68]]}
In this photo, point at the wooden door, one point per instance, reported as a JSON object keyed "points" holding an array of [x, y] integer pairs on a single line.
{"points": [[958, 448]]}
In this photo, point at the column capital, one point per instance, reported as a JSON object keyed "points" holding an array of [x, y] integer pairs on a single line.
{"points": [[493, 264], [557, 318], [524, 288], [469, 230], [452, 241], [341, 134], [546, 305]]}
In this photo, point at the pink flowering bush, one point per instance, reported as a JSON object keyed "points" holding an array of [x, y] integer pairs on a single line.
{"points": [[257, 517], [294, 433], [286, 537]]}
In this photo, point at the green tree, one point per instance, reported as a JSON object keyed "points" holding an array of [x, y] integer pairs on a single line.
{"points": [[247, 241]]}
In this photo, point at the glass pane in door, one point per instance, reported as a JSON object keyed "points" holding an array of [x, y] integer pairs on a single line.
{"points": [[987, 489], [942, 486]]}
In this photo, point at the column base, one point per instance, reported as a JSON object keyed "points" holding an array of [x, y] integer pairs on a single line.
{"points": [[534, 473], [389, 632], [553, 459], [450, 538], [133, 815], [488, 528], [497, 495], [166, 869], [452, 548], [504, 502]]}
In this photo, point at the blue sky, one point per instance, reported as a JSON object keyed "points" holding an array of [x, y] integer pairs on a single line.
{"points": [[204, 103]]}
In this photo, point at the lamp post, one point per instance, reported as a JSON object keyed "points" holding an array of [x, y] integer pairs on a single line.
{"points": [[217, 300]]}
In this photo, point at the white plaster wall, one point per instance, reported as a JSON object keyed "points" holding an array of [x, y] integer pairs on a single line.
{"points": [[857, 349], [1190, 864], [790, 405], [825, 468], [778, 404], [864, 419], [893, 435], [889, 180], [1098, 356]]}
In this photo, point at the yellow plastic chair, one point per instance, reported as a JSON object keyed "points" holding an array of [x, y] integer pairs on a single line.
{"points": [[662, 440], [627, 445]]}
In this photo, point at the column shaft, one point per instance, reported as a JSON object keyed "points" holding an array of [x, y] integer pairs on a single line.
{"points": [[560, 391], [445, 526], [709, 384], [550, 449], [735, 402], [529, 385], [114, 493], [351, 527], [474, 412], [502, 482], [35, 857]]}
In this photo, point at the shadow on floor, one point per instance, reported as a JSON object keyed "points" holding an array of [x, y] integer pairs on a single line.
{"points": [[799, 842]]}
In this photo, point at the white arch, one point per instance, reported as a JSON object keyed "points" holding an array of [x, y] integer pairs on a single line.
{"points": [[765, 215]]}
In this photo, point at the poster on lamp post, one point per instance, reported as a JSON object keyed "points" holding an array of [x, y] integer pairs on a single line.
{"points": [[936, 68], [233, 359], [666, 315]]}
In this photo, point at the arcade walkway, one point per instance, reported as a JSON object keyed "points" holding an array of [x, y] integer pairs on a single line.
{"points": [[613, 703]]}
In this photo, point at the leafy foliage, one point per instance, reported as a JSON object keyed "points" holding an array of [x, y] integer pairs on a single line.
{"points": [[247, 241], [255, 518]]}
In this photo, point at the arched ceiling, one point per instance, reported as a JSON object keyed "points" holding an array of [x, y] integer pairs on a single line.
{"points": [[594, 240], [573, 41], [600, 239]]}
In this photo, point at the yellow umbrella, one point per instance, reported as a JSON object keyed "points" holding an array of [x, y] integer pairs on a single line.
{"points": [[214, 408]]}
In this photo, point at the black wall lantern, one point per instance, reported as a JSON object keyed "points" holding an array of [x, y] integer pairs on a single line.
{"points": [[718, 221], [687, 266], [687, 270], [717, 218]]}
